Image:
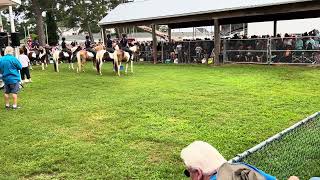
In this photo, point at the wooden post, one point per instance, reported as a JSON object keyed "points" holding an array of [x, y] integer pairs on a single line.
{"points": [[104, 36], [169, 34], [275, 23], [154, 44], [217, 42]]}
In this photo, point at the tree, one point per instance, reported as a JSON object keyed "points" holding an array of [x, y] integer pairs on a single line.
{"points": [[52, 27], [33, 10], [85, 14]]}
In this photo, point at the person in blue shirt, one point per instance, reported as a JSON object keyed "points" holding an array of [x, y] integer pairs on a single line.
{"points": [[204, 162], [9, 68]]}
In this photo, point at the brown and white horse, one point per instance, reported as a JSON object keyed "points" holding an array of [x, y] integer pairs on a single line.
{"points": [[121, 56], [83, 56], [102, 56]]}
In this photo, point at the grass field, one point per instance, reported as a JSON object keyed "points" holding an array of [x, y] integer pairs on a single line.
{"points": [[84, 126]]}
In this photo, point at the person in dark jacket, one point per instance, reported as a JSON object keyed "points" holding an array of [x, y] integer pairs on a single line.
{"points": [[88, 46], [109, 43], [124, 44]]}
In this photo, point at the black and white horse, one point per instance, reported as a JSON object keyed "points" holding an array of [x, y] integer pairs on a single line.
{"points": [[39, 56], [59, 55]]}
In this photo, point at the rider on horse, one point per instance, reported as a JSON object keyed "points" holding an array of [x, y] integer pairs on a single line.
{"points": [[88, 46], [64, 46], [109, 44], [75, 49], [124, 44]]}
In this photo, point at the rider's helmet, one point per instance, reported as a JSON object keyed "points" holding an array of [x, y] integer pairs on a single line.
{"points": [[108, 36], [124, 35], [87, 37], [63, 39]]}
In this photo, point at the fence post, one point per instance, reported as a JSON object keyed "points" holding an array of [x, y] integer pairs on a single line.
{"points": [[162, 51], [224, 51], [269, 51], [189, 53]]}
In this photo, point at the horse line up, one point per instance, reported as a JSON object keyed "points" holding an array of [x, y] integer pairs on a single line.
{"points": [[81, 55]]}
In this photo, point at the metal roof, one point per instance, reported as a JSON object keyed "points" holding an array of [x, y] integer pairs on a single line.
{"points": [[159, 9], [6, 3]]}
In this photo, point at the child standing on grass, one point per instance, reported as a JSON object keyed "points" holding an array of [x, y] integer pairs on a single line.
{"points": [[25, 62]]}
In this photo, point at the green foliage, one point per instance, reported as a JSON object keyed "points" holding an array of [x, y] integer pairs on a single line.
{"points": [[85, 14], [84, 126], [34, 36], [52, 27]]}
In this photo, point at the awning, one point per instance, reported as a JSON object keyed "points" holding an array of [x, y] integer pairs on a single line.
{"points": [[6, 3]]}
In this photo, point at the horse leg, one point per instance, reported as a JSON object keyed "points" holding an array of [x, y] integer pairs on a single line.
{"points": [[57, 65], [126, 68], [119, 66], [42, 65], [131, 66]]}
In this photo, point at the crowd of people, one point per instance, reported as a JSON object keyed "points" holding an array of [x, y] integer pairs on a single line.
{"points": [[289, 48]]}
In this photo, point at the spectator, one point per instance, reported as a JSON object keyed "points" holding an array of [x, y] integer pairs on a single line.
{"points": [[9, 67], [25, 62], [204, 162], [179, 52]]}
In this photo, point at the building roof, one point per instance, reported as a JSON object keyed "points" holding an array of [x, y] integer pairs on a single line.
{"points": [[6, 3], [161, 9]]}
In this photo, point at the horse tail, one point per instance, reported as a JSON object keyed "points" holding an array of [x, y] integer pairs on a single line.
{"points": [[55, 66]]}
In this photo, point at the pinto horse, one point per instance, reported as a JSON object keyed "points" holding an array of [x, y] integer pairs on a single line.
{"points": [[39, 56], [121, 56], [83, 56], [58, 56], [102, 56]]}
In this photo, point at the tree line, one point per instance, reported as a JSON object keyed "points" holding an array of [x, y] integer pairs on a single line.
{"points": [[63, 13]]}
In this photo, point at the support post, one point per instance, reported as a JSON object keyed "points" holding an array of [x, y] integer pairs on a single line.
{"points": [[13, 28], [154, 44], [1, 25], [225, 58], [217, 42], [275, 28], [104, 36], [47, 36], [169, 34]]}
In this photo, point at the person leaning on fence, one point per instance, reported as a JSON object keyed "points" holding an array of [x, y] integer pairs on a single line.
{"points": [[204, 162], [9, 67], [25, 62]]}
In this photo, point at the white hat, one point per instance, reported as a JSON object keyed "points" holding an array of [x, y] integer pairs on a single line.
{"points": [[201, 155], [9, 50]]}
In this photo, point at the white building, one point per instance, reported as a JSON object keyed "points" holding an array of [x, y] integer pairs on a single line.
{"points": [[69, 31]]}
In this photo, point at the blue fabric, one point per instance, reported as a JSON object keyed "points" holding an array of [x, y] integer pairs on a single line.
{"points": [[9, 67], [267, 176], [12, 88]]}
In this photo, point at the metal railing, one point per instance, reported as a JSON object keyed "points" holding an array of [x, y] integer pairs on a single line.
{"points": [[253, 50]]}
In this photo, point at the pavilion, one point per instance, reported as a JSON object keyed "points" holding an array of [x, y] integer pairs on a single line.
{"points": [[194, 13], [4, 4]]}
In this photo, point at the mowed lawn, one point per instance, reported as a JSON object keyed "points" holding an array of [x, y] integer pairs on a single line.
{"points": [[84, 126]]}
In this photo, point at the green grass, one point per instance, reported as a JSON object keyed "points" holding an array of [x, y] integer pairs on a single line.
{"points": [[84, 126], [297, 153]]}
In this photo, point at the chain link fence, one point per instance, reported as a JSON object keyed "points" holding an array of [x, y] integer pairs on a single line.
{"points": [[295, 151], [305, 49]]}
